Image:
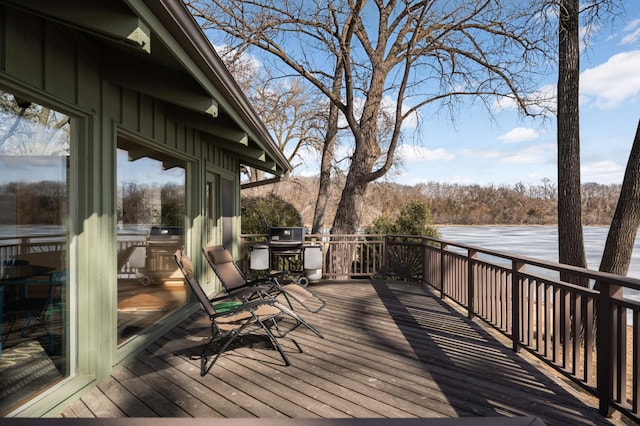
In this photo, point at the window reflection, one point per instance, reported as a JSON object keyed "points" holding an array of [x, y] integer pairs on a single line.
{"points": [[151, 212], [34, 159]]}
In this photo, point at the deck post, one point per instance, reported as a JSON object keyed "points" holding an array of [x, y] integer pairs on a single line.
{"points": [[516, 268], [604, 348], [471, 256]]}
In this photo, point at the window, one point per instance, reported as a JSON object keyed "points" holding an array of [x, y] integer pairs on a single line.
{"points": [[151, 214], [34, 182]]}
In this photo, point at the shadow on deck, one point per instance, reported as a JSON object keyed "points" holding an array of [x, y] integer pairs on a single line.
{"points": [[391, 351]]}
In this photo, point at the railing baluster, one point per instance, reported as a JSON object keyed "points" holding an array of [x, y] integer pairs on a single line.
{"points": [[539, 316], [577, 331], [548, 320], [471, 256], [557, 321], [588, 341]]}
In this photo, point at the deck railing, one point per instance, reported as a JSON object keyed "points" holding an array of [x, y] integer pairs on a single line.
{"points": [[589, 334]]}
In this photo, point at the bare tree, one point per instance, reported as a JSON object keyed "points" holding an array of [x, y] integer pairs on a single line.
{"points": [[293, 114], [626, 219], [411, 53], [326, 161], [291, 111], [570, 237]]}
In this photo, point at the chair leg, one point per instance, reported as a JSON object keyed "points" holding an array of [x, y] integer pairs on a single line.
{"points": [[300, 320], [297, 345], [232, 337], [309, 308], [275, 344]]}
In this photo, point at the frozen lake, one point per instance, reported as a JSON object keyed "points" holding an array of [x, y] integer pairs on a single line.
{"points": [[540, 242]]}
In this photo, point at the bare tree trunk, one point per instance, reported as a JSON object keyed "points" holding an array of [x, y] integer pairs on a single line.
{"points": [[324, 184], [570, 236], [255, 175], [626, 219]]}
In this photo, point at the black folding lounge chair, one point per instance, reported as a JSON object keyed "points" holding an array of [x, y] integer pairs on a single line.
{"points": [[232, 318], [234, 280]]}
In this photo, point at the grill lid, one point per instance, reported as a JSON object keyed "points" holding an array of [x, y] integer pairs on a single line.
{"points": [[286, 237]]}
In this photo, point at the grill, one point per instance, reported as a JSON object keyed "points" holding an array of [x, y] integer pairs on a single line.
{"points": [[161, 245], [286, 252], [286, 240]]}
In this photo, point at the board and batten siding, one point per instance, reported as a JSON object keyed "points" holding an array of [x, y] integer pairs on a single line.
{"points": [[59, 67]]}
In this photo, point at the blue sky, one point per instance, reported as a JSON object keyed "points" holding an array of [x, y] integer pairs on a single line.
{"points": [[509, 149], [506, 149]]}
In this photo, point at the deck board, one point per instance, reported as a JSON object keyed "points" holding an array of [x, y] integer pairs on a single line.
{"points": [[391, 350]]}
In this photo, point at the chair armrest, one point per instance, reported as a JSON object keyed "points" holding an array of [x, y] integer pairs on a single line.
{"points": [[241, 292], [246, 306], [220, 298]]}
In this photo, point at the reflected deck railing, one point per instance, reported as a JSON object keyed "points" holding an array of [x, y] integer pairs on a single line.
{"points": [[590, 335]]}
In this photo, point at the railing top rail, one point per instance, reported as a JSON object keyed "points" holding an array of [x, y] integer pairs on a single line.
{"points": [[603, 277]]}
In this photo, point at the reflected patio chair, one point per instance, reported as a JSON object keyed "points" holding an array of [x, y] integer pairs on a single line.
{"points": [[233, 280], [232, 318], [27, 307]]}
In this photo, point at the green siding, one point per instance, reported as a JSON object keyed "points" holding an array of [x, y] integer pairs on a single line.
{"points": [[60, 68]]}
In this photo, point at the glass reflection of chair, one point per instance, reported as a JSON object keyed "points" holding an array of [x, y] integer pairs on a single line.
{"points": [[39, 307]]}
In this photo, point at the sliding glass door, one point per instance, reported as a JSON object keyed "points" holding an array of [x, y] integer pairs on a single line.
{"points": [[35, 153]]}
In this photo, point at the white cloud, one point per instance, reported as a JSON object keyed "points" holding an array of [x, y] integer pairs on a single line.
{"points": [[611, 84], [225, 50], [603, 166], [540, 101], [603, 171], [519, 134], [481, 153], [412, 154], [530, 155], [633, 30]]}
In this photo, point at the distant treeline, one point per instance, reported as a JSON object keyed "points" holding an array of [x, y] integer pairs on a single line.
{"points": [[456, 204], [39, 203], [45, 203], [519, 204]]}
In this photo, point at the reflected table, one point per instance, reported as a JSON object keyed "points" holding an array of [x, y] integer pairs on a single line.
{"points": [[9, 273]]}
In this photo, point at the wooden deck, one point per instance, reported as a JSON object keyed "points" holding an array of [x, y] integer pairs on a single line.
{"points": [[391, 350]]}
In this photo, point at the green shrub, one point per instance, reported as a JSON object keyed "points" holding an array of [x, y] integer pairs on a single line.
{"points": [[261, 213], [414, 219]]}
